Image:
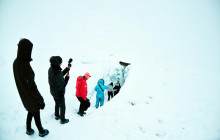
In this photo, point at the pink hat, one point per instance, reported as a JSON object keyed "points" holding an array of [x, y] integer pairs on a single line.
{"points": [[87, 75]]}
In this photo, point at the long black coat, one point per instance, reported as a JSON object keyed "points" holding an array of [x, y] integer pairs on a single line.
{"points": [[24, 79], [55, 77]]}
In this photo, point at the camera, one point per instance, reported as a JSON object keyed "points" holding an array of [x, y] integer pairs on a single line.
{"points": [[70, 61]]}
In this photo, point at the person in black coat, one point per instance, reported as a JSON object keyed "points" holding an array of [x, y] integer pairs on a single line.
{"points": [[117, 88], [57, 86], [110, 91], [27, 88]]}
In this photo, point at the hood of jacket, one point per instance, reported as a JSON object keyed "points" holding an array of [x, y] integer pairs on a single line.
{"points": [[24, 50], [55, 60], [80, 78], [101, 82]]}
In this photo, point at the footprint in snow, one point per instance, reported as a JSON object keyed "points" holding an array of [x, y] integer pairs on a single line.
{"points": [[87, 62], [75, 110], [142, 130], [132, 103], [160, 134], [165, 83], [149, 97], [160, 121]]}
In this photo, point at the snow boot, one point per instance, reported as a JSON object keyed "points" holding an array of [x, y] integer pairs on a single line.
{"points": [[80, 114], [30, 132], [43, 133], [57, 118], [65, 121]]}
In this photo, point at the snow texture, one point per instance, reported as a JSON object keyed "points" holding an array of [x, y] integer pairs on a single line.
{"points": [[169, 92]]}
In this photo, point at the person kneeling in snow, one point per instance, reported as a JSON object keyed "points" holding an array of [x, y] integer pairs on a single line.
{"points": [[27, 88], [81, 93], [100, 93]]}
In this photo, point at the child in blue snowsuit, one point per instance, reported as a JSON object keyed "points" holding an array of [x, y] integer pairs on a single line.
{"points": [[100, 93]]}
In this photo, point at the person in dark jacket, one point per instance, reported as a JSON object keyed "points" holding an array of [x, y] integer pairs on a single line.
{"points": [[27, 88], [117, 88], [110, 91], [57, 86]]}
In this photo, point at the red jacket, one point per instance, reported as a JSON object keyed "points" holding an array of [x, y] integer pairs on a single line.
{"points": [[81, 87]]}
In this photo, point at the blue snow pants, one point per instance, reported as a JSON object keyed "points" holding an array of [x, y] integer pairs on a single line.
{"points": [[99, 99]]}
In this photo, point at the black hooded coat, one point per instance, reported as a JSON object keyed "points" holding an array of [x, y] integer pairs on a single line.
{"points": [[55, 77], [24, 77]]}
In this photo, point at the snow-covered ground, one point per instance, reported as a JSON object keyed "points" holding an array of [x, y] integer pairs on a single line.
{"points": [[170, 91]]}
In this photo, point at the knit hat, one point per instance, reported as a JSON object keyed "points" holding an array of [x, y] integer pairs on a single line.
{"points": [[87, 75], [55, 60]]}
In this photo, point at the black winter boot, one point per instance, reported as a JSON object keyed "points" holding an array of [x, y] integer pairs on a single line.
{"points": [[57, 118], [81, 114], [43, 133], [64, 121], [30, 132]]}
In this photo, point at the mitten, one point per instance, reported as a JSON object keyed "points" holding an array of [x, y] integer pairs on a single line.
{"points": [[66, 78], [42, 105]]}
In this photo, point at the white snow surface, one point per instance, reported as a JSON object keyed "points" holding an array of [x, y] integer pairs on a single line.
{"points": [[170, 91]]}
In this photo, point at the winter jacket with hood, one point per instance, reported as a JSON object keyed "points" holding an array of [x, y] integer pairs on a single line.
{"points": [[55, 77], [24, 77], [81, 87], [110, 88], [100, 87]]}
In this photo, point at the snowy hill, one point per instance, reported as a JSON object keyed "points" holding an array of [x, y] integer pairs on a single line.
{"points": [[170, 91]]}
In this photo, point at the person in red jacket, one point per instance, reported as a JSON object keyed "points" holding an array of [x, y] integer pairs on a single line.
{"points": [[81, 93]]}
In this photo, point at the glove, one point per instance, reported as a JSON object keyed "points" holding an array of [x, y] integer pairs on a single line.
{"points": [[42, 105], [69, 65], [66, 78]]}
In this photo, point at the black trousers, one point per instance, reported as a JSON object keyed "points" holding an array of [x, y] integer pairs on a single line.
{"points": [[116, 92], [60, 107], [84, 105], [110, 94], [36, 116]]}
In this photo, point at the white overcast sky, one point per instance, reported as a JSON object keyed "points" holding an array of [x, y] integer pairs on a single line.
{"points": [[171, 30]]}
